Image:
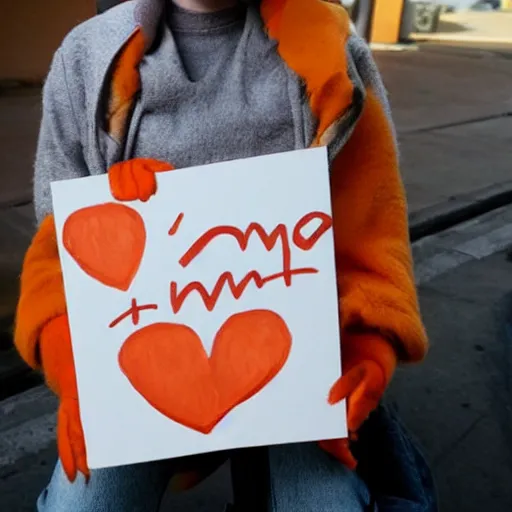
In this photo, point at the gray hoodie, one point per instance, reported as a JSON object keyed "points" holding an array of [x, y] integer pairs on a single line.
{"points": [[202, 125]]}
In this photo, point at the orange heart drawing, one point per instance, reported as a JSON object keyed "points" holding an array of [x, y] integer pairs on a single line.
{"points": [[167, 364], [107, 241]]}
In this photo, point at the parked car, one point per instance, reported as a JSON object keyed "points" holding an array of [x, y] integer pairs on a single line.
{"points": [[486, 5]]}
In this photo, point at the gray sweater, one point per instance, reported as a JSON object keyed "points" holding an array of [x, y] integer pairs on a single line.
{"points": [[208, 94], [260, 109], [202, 39]]}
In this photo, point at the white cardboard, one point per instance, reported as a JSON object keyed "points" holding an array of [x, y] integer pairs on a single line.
{"points": [[120, 426]]}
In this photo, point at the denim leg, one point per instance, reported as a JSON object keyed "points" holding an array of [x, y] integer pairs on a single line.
{"points": [[136, 488], [393, 466], [303, 478]]}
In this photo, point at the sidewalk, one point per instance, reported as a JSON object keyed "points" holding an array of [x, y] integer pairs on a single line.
{"points": [[20, 112], [453, 111], [19, 120]]}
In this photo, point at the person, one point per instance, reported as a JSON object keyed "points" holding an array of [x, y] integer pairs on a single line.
{"points": [[152, 83]]}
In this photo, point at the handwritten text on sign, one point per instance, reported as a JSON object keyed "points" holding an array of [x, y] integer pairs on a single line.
{"points": [[278, 236]]}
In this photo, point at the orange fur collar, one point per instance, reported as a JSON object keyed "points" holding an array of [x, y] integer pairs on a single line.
{"points": [[311, 36]]}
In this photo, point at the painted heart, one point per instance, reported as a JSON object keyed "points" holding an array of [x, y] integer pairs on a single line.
{"points": [[167, 364], [107, 241]]}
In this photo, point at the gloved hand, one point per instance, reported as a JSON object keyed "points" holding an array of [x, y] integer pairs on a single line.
{"points": [[369, 362], [135, 179], [59, 369], [130, 180]]}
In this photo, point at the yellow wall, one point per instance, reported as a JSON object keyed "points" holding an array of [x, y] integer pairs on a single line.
{"points": [[31, 30], [387, 16]]}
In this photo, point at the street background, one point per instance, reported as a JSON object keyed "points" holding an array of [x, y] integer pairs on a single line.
{"points": [[452, 104]]}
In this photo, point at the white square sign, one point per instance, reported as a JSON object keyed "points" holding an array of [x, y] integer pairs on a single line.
{"points": [[207, 317]]}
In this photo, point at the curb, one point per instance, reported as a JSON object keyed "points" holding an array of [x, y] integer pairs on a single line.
{"points": [[14, 86], [15, 200], [460, 38], [447, 214], [395, 47]]}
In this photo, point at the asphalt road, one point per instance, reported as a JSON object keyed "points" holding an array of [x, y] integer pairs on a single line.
{"points": [[459, 402]]}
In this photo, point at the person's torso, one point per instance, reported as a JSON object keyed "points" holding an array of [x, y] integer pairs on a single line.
{"points": [[215, 89], [269, 88]]}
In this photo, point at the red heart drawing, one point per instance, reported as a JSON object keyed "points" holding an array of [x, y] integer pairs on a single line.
{"points": [[167, 364], [107, 241]]}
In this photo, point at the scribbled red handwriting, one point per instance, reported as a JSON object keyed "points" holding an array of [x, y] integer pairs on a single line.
{"points": [[176, 224], [278, 235], [133, 312]]}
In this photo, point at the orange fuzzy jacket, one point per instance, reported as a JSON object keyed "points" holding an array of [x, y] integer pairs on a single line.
{"points": [[375, 279]]}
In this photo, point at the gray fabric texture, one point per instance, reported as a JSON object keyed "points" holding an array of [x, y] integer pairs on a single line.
{"points": [[240, 108], [204, 38], [72, 139], [360, 54], [73, 142]]}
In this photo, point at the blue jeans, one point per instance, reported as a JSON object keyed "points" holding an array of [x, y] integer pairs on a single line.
{"points": [[302, 478], [393, 467]]}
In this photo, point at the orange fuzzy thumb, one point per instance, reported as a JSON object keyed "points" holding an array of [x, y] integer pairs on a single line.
{"points": [[369, 362], [135, 179], [340, 449], [59, 369], [57, 357]]}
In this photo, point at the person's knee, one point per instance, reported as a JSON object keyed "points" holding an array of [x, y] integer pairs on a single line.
{"points": [[61, 494], [304, 478], [137, 488]]}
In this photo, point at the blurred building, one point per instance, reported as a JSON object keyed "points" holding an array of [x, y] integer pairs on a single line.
{"points": [[31, 31]]}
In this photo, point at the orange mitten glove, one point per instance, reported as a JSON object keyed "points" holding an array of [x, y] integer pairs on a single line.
{"points": [[135, 179], [59, 369], [369, 362], [42, 331], [130, 180]]}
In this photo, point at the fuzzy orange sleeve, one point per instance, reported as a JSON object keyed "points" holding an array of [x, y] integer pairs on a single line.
{"points": [[42, 295], [373, 255]]}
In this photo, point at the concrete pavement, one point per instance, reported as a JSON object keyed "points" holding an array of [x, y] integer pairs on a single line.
{"points": [[453, 110], [20, 111], [458, 403]]}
